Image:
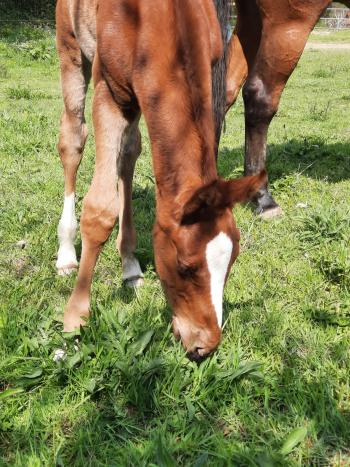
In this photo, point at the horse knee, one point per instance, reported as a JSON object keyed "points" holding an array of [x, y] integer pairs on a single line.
{"points": [[231, 96], [260, 107], [99, 215], [71, 142], [233, 86]]}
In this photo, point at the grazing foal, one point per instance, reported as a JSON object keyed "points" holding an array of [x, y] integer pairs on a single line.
{"points": [[155, 57]]}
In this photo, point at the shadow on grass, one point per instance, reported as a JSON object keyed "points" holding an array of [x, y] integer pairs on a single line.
{"points": [[312, 157]]}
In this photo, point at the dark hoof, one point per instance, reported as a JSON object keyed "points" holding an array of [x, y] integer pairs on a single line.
{"points": [[266, 206]]}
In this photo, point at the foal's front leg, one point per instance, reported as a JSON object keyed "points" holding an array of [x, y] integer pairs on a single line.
{"points": [[100, 206]]}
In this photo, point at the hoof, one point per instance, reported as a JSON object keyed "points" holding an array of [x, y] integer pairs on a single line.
{"points": [[266, 206], [271, 213], [134, 282], [66, 270], [72, 320], [71, 323], [66, 260]]}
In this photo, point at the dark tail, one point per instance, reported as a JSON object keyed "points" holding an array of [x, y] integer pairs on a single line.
{"points": [[223, 9]]}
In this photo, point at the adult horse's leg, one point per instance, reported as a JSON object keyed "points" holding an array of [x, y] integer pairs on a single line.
{"points": [[126, 240], [100, 206], [284, 34], [75, 77], [243, 47]]}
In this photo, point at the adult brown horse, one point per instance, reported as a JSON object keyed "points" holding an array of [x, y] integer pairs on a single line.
{"points": [[154, 57], [265, 47]]}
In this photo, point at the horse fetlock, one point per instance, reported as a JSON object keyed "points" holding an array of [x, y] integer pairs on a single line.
{"points": [[66, 231], [67, 227], [66, 259]]}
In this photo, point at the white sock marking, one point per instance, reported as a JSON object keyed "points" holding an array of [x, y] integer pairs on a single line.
{"points": [[67, 228], [218, 254], [131, 268]]}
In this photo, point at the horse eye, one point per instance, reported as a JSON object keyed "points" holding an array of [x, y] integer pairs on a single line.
{"points": [[186, 271]]}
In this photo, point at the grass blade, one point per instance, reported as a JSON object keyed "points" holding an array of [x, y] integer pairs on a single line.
{"points": [[10, 392], [139, 346], [34, 374], [293, 439]]}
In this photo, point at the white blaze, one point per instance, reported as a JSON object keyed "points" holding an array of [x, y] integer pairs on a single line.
{"points": [[218, 254]]}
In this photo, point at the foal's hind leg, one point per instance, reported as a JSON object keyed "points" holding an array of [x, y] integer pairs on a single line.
{"points": [[100, 207], [75, 76], [285, 32], [126, 240]]}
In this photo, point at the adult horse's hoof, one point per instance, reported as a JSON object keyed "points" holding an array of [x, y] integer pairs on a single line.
{"points": [[271, 213], [266, 206]]}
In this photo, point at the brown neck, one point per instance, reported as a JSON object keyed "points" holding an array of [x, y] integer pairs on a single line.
{"points": [[183, 137], [174, 90], [183, 159]]}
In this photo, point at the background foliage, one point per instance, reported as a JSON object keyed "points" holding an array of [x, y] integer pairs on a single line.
{"points": [[24, 10]]}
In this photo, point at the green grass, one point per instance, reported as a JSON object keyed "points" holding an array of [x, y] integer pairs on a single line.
{"points": [[276, 392]]}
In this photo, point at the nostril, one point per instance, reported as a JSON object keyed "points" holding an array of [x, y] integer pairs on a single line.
{"points": [[197, 355]]}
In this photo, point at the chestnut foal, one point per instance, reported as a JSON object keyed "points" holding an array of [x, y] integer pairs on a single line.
{"points": [[154, 57], [264, 49]]}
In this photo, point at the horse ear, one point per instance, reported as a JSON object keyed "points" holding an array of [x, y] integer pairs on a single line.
{"points": [[201, 204], [243, 189], [221, 194]]}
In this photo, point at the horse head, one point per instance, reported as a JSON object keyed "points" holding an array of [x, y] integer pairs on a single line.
{"points": [[194, 255]]}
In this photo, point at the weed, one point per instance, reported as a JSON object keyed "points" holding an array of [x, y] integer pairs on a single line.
{"points": [[334, 262], [319, 112], [325, 225], [4, 74], [40, 50], [21, 92], [322, 73]]}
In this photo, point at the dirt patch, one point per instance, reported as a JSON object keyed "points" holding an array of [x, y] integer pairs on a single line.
{"points": [[327, 45]]}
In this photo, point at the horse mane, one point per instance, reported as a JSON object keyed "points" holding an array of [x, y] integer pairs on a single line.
{"points": [[191, 55], [223, 9]]}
